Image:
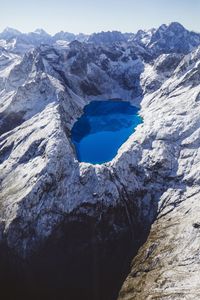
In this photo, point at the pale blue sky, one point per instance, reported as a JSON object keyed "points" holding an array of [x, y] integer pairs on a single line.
{"points": [[96, 15]]}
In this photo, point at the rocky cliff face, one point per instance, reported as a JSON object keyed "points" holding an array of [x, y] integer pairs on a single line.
{"points": [[69, 227], [167, 265]]}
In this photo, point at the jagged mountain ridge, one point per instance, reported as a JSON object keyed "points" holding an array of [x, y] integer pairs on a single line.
{"points": [[167, 38], [46, 193]]}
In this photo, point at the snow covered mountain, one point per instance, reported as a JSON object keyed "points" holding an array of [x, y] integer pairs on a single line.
{"points": [[173, 38], [74, 227], [169, 38], [20, 43], [108, 37]]}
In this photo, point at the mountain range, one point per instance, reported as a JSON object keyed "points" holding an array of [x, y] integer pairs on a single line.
{"points": [[167, 38], [127, 229]]}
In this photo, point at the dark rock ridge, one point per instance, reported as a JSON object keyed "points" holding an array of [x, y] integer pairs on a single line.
{"points": [[69, 230]]}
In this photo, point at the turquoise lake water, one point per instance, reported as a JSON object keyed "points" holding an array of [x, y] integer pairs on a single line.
{"points": [[102, 129]]}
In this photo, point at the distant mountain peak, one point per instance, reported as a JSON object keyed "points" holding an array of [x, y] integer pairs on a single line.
{"points": [[9, 33], [173, 37], [11, 30], [40, 31], [176, 25], [107, 37]]}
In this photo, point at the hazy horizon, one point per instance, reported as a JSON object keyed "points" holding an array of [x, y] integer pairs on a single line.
{"points": [[86, 33], [91, 16]]}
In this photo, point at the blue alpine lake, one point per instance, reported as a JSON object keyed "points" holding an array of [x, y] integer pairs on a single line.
{"points": [[102, 129]]}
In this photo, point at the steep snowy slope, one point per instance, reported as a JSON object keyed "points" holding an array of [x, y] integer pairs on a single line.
{"points": [[167, 266]]}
